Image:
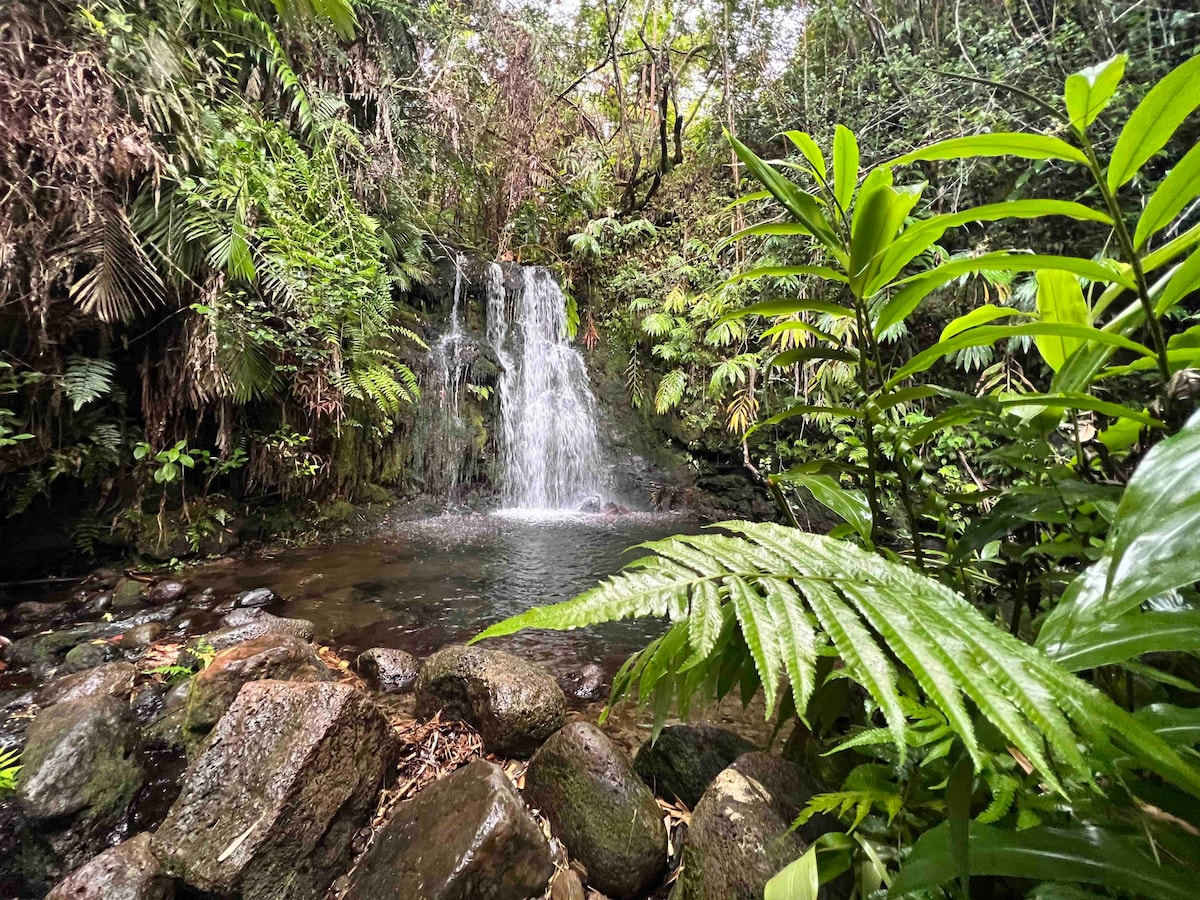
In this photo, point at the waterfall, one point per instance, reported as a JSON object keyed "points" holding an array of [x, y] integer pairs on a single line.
{"points": [[550, 452], [449, 351]]}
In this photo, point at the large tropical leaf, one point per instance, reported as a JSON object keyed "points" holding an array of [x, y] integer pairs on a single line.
{"points": [[1083, 853], [880, 617], [1026, 146], [1178, 189], [1088, 91], [1154, 120]]}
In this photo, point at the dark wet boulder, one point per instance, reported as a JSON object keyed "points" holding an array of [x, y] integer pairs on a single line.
{"points": [[277, 656], [583, 783], [513, 703], [88, 655], [586, 684], [128, 871], [28, 865], [739, 834], [33, 614], [258, 623], [166, 592], [269, 806], [139, 637], [128, 594], [467, 835], [49, 647], [113, 679], [686, 758], [146, 701], [80, 769], [392, 671]]}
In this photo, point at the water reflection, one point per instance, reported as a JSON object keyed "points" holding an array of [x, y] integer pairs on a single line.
{"points": [[436, 581]]}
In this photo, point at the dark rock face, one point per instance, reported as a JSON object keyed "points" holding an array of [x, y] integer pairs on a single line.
{"points": [[686, 758], [89, 655], [515, 704], [28, 865], [139, 637], [166, 592], [466, 836], [739, 835], [394, 671], [128, 871], [269, 806], [80, 759], [109, 680], [277, 656], [583, 783]]}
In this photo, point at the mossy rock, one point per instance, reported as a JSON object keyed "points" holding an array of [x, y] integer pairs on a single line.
{"points": [[608, 819], [685, 759]]}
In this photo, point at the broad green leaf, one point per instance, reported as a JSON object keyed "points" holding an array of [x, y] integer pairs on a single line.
{"points": [[800, 204], [1151, 546], [826, 858], [1185, 280], [980, 316], [1075, 854], [1177, 725], [1154, 120], [845, 167], [1178, 189], [1089, 90], [811, 150], [916, 288], [765, 229], [1064, 401], [924, 234], [850, 506], [1059, 301], [752, 197], [1126, 637], [806, 409], [878, 217], [986, 335], [1026, 146]]}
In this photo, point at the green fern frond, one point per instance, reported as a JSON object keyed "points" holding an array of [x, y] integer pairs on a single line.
{"points": [[119, 281], [86, 380], [778, 588]]}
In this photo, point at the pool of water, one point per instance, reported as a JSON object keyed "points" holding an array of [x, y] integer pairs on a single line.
{"points": [[420, 585]]}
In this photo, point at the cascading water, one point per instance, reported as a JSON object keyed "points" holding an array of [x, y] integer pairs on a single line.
{"points": [[551, 456]]}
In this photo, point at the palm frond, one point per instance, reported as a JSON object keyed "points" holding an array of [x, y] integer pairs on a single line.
{"points": [[119, 280]]}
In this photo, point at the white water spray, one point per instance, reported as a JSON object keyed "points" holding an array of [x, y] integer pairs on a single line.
{"points": [[551, 457]]}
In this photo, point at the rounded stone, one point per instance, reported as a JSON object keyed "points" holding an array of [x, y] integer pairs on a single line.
{"points": [[393, 671], [128, 871], [113, 679], [166, 592], [89, 655], [514, 704], [139, 637], [608, 819], [685, 759]]}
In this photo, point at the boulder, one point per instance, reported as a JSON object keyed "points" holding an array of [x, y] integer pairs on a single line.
{"points": [[127, 594], [28, 865], [260, 624], [128, 871], [393, 671], [739, 834], [514, 704], [80, 760], [49, 647], [686, 758], [269, 806], [254, 599], [89, 655], [165, 592], [139, 637], [277, 656], [586, 684], [34, 613], [467, 835], [583, 783], [109, 680]]}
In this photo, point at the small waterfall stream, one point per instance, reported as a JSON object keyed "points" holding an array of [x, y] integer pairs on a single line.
{"points": [[550, 451]]}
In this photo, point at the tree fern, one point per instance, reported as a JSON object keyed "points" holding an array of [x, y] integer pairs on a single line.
{"points": [[785, 597], [86, 380]]}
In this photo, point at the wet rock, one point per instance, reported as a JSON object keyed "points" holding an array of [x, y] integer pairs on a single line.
{"points": [[49, 647], [159, 614], [127, 594], [109, 680], [80, 760], [686, 758], [192, 620], [586, 684], [28, 865], [128, 871], [583, 783], [101, 603], [139, 637], [176, 695], [513, 703], [261, 624], [254, 599], [165, 592], [89, 655], [393, 671], [269, 807], [278, 656], [467, 835], [739, 837], [147, 701], [33, 613]]}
